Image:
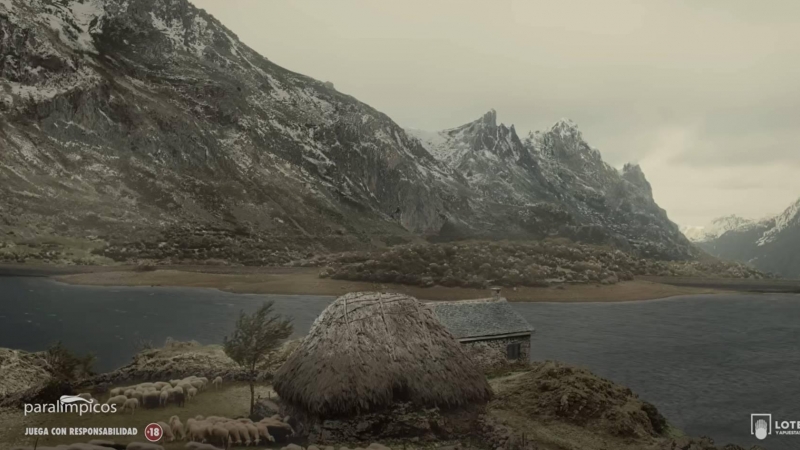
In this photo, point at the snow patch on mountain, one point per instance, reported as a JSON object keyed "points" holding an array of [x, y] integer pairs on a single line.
{"points": [[717, 228], [782, 221]]}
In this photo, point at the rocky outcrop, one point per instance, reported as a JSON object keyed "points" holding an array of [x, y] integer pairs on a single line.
{"points": [[182, 359], [21, 370], [555, 405], [26, 377], [555, 391]]}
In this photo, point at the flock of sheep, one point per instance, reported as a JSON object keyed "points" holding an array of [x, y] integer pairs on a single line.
{"points": [[224, 431], [159, 393], [203, 433]]}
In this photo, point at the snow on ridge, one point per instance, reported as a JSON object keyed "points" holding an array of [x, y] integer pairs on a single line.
{"points": [[717, 228], [432, 141], [173, 31], [73, 21], [782, 221]]}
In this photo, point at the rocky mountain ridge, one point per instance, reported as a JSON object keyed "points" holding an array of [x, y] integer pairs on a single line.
{"points": [[145, 129], [768, 244], [553, 182]]}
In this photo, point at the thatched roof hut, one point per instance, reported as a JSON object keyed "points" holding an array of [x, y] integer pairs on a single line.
{"points": [[368, 351]]}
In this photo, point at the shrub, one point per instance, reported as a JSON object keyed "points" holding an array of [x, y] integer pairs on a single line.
{"points": [[67, 366]]}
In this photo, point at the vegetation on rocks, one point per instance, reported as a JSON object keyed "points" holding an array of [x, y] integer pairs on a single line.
{"points": [[19, 370], [554, 405], [555, 391], [178, 359], [478, 264]]}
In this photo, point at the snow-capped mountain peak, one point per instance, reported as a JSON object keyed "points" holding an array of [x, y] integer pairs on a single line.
{"points": [[789, 217], [718, 227]]}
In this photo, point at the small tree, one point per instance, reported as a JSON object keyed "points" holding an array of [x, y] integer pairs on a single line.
{"points": [[68, 366], [255, 336]]}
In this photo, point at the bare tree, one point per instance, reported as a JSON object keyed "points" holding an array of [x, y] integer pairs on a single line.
{"points": [[255, 336]]}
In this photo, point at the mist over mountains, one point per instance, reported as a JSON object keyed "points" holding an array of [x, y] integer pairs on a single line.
{"points": [[146, 128]]}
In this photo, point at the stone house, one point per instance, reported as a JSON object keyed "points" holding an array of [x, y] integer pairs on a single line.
{"points": [[492, 331]]}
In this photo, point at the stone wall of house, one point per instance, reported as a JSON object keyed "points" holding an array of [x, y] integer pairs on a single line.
{"points": [[491, 354]]}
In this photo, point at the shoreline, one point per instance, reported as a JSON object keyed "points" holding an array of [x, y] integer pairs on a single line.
{"points": [[305, 281]]}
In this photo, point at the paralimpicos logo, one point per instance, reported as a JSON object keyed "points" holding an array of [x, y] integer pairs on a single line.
{"points": [[762, 425], [70, 404]]}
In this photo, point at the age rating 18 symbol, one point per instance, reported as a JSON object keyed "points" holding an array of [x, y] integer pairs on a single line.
{"points": [[153, 432]]}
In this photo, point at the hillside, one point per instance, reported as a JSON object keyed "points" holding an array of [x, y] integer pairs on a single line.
{"points": [[769, 245], [145, 130]]}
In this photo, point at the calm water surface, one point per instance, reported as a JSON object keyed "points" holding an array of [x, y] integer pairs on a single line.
{"points": [[707, 362]]}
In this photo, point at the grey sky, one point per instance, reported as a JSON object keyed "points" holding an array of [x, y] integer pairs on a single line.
{"points": [[704, 94]]}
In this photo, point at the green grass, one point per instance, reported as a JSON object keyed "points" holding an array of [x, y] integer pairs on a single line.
{"points": [[233, 400]]}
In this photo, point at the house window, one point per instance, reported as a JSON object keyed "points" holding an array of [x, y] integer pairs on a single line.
{"points": [[513, 350]]}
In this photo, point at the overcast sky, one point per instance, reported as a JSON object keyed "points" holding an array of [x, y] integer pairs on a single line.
{"points": [[704, 94]]}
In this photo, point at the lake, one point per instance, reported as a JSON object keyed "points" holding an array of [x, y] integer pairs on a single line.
{"points": [[706, 362]]}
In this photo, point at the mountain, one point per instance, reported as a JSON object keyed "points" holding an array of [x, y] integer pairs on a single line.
{"points": [[553, 182], [144, 129], [769, 245], [129, 119], [718, 227]]}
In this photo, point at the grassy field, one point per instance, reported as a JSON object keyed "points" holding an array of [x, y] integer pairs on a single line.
{"points": [[230, 401]]}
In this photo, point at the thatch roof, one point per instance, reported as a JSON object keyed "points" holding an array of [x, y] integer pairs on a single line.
{"points": [[368, 350]]}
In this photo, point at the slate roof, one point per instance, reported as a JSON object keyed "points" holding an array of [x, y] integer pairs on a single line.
{"points": [[480, 318]]}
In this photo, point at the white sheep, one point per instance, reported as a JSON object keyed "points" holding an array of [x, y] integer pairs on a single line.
{"points": [[163, 398], [138, 394], [252, 430], [191, 394], [218, 434], [118, 400], [205, 382], [115, 392], [130, 404], [160, 384], [197, 430], [129, 393], [177, 428], [177, 395], [234, 436], [217, 383], [168, 436]]}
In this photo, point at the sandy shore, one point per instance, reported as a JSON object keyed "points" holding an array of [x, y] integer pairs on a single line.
{"points": [[305, 281]]}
